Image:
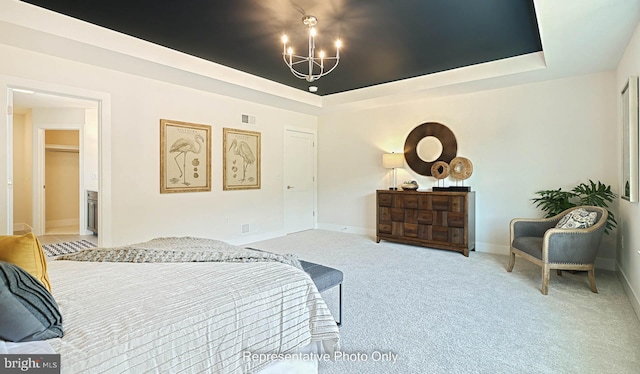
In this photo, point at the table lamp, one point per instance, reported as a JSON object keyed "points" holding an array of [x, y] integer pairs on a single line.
{"points": [[393, 161]]}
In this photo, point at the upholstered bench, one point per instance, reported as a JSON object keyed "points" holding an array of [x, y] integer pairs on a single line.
{"points": [[325, 278]]}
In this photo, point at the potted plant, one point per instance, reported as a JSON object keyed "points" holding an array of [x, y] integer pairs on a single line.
{"points": [[556, 201]]}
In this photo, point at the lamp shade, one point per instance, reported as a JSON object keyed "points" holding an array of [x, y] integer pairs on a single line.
{"points": [[392, 160]]}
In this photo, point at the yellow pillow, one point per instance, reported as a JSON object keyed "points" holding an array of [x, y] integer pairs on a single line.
{"points": [[26, 252]]}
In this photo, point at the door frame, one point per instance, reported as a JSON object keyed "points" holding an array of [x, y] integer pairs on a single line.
{"points": [[314, 134], [103, 100]]}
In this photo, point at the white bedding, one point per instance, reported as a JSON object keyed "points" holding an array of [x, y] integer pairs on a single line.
{"points": [[184, 317]]}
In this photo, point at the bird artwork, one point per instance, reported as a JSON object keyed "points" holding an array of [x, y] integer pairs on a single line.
{"points": [[243, 150], [182, 146]]}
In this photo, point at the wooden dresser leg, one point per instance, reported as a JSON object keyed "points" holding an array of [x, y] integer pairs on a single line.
{"points": [[377, 239]]}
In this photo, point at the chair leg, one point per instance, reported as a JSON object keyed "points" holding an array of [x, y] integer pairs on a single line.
{"points": [[512, 260], [545, 279], [340, 310], [592, 280], [559, 272]]}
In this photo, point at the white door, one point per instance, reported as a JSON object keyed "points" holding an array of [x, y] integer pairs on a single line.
{"points": [[299, 180]]}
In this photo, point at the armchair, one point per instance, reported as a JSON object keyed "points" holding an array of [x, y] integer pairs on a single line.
{"points": [[539, 241]]}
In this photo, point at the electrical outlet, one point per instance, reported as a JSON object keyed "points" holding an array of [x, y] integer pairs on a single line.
{"points": [[245, 228]]}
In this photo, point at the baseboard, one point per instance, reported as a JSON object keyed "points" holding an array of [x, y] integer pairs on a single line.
{"points": [[605, 263], [347, 229], [246, 239], [22, 227], [63, 223], [496, 249], [631, 294]]}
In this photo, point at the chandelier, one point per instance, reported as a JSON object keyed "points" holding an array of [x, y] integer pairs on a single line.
{"points": [[311, 67]]}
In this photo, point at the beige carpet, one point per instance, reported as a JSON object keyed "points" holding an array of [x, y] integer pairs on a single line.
{"points": [[441, 312]]}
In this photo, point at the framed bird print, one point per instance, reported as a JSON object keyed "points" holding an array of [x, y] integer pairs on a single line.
{"points": [[185, 157], [240, 159]]}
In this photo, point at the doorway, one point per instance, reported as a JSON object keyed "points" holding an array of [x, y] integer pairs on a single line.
{"points": [[62, 182], [299, 180], [55, 160]]}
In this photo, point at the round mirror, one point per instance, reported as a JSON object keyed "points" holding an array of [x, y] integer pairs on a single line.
{"points": [[428, 143], [429, 148]]}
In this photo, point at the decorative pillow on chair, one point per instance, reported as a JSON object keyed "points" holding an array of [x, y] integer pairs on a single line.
{"points": [[577, 219], [28, 310], [26, 252]]}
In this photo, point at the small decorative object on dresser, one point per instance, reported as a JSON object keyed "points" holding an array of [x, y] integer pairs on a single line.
{"points": [[410, 185], [460, 168], [444, 220]]}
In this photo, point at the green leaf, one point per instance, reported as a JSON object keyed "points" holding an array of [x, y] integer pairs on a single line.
{"points": [[554, 202]]}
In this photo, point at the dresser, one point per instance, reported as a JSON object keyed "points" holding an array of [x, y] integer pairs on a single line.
{"points": [[443, 220]]}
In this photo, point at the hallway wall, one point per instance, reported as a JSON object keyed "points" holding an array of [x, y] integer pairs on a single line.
{"points": [[22, 170], [62, 175]]}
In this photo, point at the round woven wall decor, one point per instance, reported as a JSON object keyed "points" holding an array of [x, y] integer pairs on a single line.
{"points": [[461, 168], [440, 169], [440, 132]]}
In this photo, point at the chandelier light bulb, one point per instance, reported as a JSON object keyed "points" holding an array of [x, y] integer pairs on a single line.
{"points": [[310, 67]]}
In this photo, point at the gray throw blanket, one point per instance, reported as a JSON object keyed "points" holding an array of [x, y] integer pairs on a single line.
{"points": [[184, 249]]}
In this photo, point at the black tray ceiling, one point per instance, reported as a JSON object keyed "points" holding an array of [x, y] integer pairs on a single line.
{"points": [[384, 40]]}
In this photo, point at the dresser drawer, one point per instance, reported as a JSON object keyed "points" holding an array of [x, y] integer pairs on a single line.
{"points": [[410, 202], [425, 217], [440, 202], [455, 219], [384, 228], [384, 214], [384, 199]]}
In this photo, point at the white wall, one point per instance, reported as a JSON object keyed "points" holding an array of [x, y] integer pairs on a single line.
{"points": [[62, 181], [520, 139], [628, 257], [139, 211]]}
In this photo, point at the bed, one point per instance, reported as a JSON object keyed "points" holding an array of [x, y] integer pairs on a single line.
{"points": [[228, 316]]}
